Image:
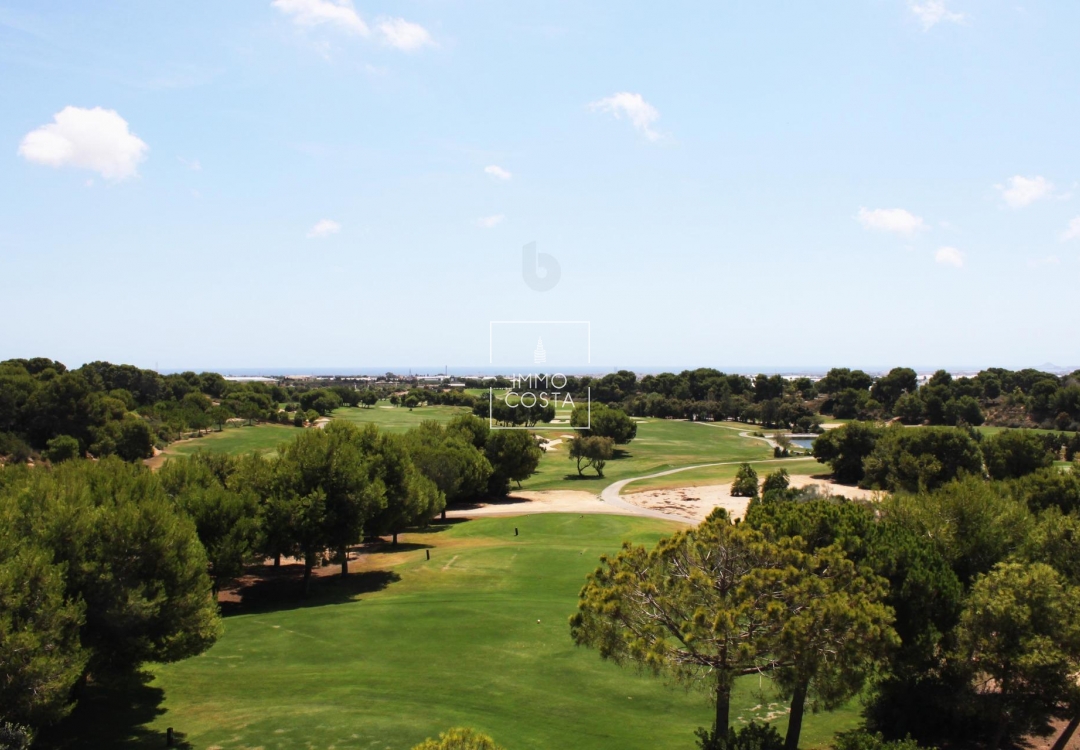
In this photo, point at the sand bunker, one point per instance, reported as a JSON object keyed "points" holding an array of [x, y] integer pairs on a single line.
{"points": [[695, 503]]}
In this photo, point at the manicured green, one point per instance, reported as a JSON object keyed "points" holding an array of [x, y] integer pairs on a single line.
{"points": [[478, 636], [660, 444], [263, 438], [995, 430], [397, 418]]}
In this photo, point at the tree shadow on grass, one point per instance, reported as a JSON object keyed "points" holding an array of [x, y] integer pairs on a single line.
{"points": [[439, 525], [583, 477], [113, 713], [390, 548], [274, 590]]}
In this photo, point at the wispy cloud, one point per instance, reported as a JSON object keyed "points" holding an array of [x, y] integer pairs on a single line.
{"points": [[949, 256], [490, 222], [96, 139], [933, 12], [341, 14], [1019, 191], [641, 114], [404, 35], [192, 164], [1073, 232], [337, 13], [497, 172], [895, 220], [324, 228]]}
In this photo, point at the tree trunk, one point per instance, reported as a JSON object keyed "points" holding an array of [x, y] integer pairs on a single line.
{"points": [[444, 514], [395, 538], [277, 560], [794, 727], [723, 706], [999, 735], [309, 561], [344, 552], [1067, 733]]}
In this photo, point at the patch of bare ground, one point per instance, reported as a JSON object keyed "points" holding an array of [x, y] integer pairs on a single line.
{"points": [[695, 503]]}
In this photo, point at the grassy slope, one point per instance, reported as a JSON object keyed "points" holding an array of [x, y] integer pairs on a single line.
{"points": [[725, 474], [264, 438], [455, 641]]}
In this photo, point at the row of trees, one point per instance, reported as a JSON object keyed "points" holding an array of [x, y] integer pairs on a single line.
{"points": [[899, 458], [105, 565], [1008, 398], [328, 489]]}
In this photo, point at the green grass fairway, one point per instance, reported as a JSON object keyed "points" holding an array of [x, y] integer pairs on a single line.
{"points": [[263, 438], [397, 418], [724, 474], [454, 641], [660, 444], [995, 430]]}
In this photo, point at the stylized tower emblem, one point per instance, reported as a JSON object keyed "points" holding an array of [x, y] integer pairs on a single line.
{"points": [[539, 355]]}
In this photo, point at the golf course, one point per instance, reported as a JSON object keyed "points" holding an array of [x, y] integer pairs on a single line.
{"points": [[475, 636]]}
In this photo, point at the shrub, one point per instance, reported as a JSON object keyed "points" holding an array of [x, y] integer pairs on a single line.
{"points": [[746, 482], [1015, 453], [753, 736], [459, 738], [860, 739], [62, 448], [15, 737], [777, 480]]}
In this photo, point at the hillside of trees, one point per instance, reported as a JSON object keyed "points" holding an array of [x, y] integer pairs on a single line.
{"points": [[997, 397]]}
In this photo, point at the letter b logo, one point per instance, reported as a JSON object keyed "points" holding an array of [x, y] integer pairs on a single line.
{"points": [[540, 270]]}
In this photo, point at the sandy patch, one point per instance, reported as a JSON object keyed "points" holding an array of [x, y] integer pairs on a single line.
{"points": [[695, 503], [539, 501]]}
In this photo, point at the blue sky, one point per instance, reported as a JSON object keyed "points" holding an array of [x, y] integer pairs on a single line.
{"points": [[321, 183]]}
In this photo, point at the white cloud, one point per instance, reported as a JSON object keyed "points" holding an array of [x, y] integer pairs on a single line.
{"points": [[895, 220], [641, 114], [497, 172], [96, 139], [192, 164], [404, 35], [339, 13], [1073, 232], [949, 256], [324, 228], [490, 222], [933, 12], [1023, 191]]}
